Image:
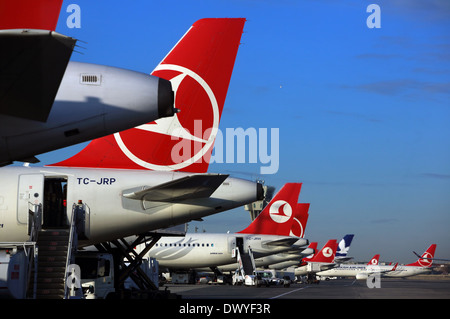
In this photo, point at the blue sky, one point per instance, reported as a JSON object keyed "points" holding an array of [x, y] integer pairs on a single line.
{"points": [[363, 113]]}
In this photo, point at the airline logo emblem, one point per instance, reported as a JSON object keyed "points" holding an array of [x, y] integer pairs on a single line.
{"points": [[327, 252], [198, 124], [374, 261], [280, 211], [426, 262]]}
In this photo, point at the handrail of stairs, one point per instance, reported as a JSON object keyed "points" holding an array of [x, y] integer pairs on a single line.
{"points": [[34, 224], [77, 215]]}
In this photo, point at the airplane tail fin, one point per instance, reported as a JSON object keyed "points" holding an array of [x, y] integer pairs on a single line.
{"points": [[199, 67], [313, 245], [344, 245], [304, 260], [327, 253], [423, 261], [30, 14], [374, 261], [277, 217]]}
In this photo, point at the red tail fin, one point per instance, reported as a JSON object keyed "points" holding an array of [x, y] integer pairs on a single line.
{"points": [[30, 14], [199, 67], [423, 261], [327, 253], [277, 217], [374, 261], [313, 245], [305, 260]]}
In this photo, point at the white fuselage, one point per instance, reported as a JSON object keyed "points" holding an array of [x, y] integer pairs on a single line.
{"points": [[110, 215], [361, 270], [348, 270], [407, 271], [214, 250]]}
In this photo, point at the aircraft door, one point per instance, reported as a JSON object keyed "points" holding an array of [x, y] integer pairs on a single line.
{"points": [[240, 243], [31, 191], [236, 242], [55, 201]]}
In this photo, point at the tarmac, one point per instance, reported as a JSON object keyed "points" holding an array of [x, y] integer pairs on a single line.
{"points": [[387, 288]]}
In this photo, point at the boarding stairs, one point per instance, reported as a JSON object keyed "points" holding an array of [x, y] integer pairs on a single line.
{"points": [[51, 266], [246, 261], [55, 252]]}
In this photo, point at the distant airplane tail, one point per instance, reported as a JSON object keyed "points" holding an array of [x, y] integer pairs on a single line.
{"points": [[313, 245], [375, 260], [327, 253], [282, 215], [344, 246], [304, 260], [423, 261], [199, 68]]}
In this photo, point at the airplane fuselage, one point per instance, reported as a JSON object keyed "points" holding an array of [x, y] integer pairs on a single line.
{"points": [[361, 271], [349, 270], [215, 250], [110, 215], [407, 271]]}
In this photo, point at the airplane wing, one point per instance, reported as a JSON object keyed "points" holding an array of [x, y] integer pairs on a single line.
{"points": [[189, 187], [381, 272], [33, 58], [388, 270]]}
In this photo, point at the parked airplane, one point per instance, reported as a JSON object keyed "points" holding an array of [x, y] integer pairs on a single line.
{"points": [[343, 248], [359, 271], [129, 201], [322, 260], [421, 266], [48, 102], [268, 234]]}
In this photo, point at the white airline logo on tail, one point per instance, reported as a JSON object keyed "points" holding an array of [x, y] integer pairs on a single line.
{"points": [[173, 127], [374, 261], [327, 252], [280, 216], [426, 262]]}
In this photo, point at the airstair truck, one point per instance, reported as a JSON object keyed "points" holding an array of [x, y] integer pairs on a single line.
{"points": [[99, 276]]}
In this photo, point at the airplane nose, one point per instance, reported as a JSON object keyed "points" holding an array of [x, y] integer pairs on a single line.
{"points": [[166, 99]]}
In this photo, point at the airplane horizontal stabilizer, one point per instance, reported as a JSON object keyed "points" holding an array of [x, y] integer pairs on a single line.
{"points": [[343, 259], [33, 63], [283, 242], [189, 187], [324, 267]]}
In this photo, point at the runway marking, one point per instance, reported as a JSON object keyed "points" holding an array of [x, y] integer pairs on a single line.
{"points": [[287, 293]]}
